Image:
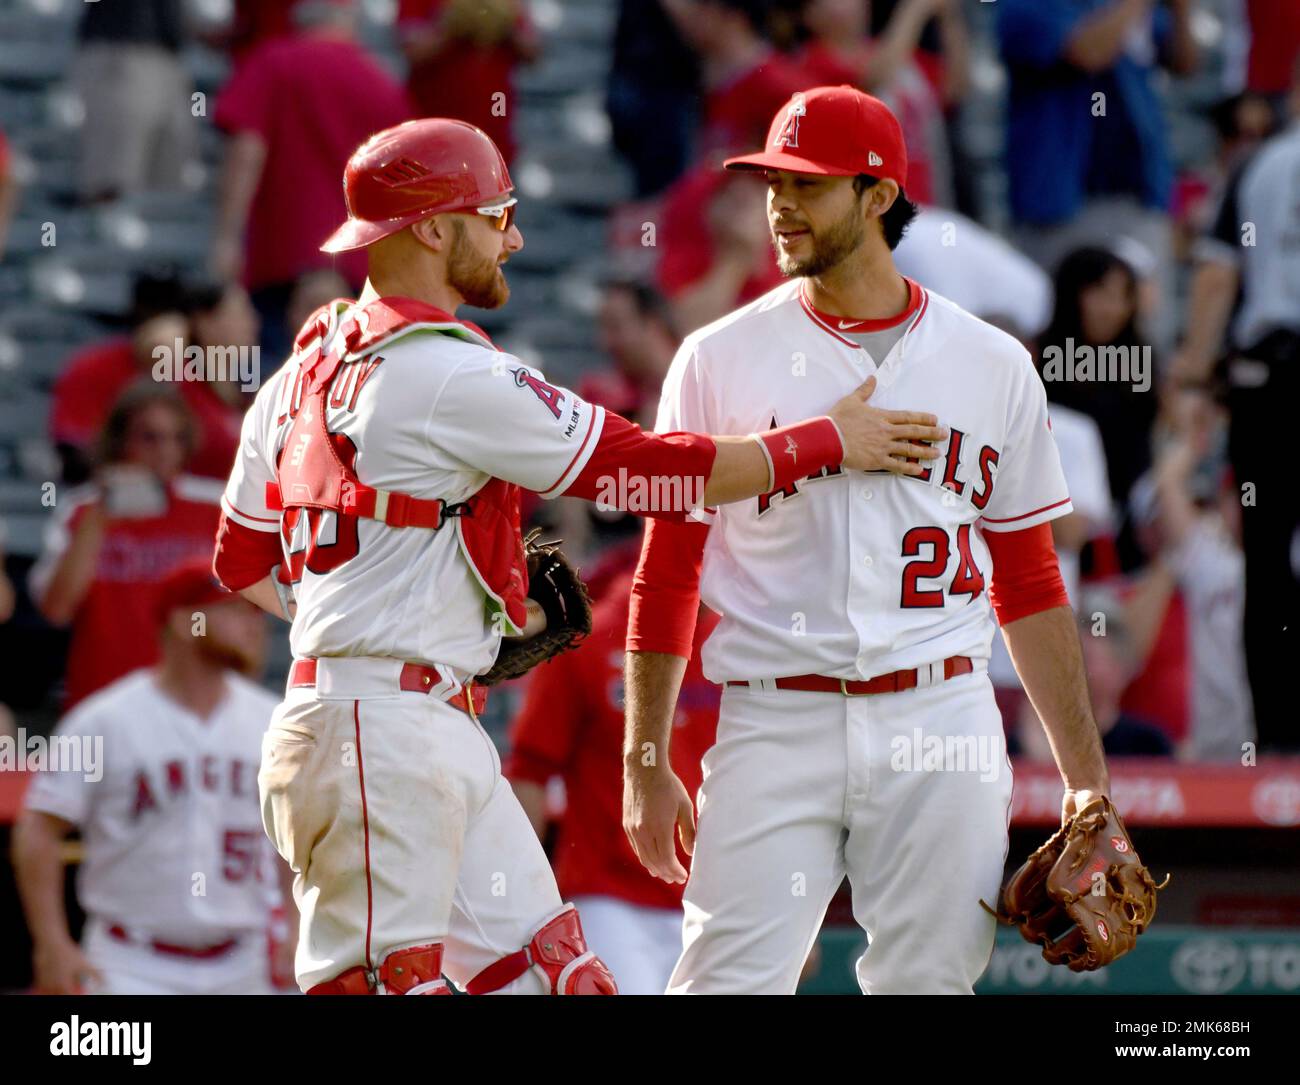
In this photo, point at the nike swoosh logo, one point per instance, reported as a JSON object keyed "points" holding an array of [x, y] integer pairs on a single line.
{"points": [[850, 324]]}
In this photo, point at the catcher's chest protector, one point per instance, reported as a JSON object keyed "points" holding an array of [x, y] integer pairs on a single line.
{"points": [[311, 474]]}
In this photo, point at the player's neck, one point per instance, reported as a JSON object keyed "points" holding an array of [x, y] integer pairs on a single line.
{"points": [[394, 283], [191, 681], [859, 287]]}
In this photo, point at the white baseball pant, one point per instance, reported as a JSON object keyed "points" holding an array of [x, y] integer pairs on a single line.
{"points": [[804, 788], [392, 811]]}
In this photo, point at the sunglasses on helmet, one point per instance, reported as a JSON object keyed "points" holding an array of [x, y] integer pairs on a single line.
{"points": [[501, 214]]}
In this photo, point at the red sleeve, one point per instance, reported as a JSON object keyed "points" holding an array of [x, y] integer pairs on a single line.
{"points": [[545, 730], [245, 103], [1026, 575], [666, 589], [244, 556], [647, 474]]}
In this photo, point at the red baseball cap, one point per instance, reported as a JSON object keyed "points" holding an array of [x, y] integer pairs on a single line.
{"points": [[190, 585], [833, 131]]}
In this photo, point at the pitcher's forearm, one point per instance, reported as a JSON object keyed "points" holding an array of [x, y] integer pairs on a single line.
{"points": [[1045, 650], [652, 682]]}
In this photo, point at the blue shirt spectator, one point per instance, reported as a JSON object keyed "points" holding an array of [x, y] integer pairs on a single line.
{"points": [[1061, 148]]}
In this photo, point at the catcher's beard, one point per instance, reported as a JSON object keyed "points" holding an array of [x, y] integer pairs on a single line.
{"points": [[829, 248], [477, 278]]}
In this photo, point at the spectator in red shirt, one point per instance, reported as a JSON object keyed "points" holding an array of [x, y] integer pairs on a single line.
{"points": [[217, 318], [111, 542], [1274, 48], [463, 54], [223, 323], [95, 376], [571, 726], [294, 111], [840, 49], [714, 245], [745, 79], [637, 334]]}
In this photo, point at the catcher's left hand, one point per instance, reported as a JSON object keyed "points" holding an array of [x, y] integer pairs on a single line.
{"points": [[1084, 896], [555, 586]]}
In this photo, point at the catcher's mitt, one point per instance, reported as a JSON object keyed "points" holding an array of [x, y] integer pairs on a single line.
{"points": [[1084, 896], [554, 584]]}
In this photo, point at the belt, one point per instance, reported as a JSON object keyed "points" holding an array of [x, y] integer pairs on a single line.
{"points": [[194, 953], [894, 682], [413, 678]]}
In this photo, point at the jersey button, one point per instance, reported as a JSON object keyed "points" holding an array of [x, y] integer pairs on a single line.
{"points": [[868, 561], [866, 495]]}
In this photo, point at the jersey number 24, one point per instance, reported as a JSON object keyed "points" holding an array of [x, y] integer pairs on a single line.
{"points": [[967, 580]]}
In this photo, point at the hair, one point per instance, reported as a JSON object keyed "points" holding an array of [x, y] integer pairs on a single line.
{"points": [[111, 446], [1082, 268], [898, 218], [649, 302], [155, 292], [202, 294]]}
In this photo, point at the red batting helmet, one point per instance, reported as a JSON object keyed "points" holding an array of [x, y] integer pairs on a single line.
{"points": [[417, 169]]}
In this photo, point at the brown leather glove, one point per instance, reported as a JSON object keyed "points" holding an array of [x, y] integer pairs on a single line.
{"points": [[1084, 896]]}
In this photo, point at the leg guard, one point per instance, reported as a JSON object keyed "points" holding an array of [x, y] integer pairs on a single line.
{"points": [[416, 970], [559, 951]]}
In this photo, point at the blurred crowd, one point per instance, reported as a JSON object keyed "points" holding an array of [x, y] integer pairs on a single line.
{"points": [[1103, 236], [1102, 241]]}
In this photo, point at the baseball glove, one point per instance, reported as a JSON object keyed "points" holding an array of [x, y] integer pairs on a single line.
{"points": [[1084, 896], [554, 584]]}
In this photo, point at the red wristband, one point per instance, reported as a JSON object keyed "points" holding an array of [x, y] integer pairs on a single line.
{"points": [[803, 449]]}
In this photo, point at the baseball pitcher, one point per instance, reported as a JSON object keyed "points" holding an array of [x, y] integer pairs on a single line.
{"points": [[858, 733]]}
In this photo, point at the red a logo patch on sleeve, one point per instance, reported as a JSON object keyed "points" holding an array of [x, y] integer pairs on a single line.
{"points": [[547, 393]]}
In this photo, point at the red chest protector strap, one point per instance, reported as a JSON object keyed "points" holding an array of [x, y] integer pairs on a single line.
{"points": [[311, 473]]}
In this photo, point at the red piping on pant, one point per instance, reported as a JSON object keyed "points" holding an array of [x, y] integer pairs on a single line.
{"points": [[365, 825]]}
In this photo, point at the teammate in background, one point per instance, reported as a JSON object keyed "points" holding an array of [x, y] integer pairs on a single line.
{"points": [[571, 726], [177, 881], [392, 418], [855, 623]]}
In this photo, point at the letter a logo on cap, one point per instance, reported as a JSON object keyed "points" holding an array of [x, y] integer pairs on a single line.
{"points": [[788, 136], [874, 159]]}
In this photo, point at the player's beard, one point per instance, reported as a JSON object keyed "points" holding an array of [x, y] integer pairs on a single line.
{"points": [[829, 248], [477, 278]]}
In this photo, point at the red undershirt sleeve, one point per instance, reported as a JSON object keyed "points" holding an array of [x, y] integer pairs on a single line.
{"points": [[660, 475], [666, 588], [243, 556], [1026, 576]]}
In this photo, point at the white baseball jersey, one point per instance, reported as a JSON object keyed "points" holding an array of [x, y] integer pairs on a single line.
{"points": [[854, 574], [430, 415], [173, 836]]}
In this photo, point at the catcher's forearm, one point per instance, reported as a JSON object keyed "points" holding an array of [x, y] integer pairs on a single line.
{"points": [[1045, 649], [740, 470], [652, 681]]}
